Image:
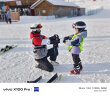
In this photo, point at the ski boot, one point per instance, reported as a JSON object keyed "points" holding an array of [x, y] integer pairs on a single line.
{"points": [[80, 65], [75, 71]]}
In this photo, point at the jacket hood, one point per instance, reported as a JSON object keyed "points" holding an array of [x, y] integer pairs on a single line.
{"points": [[84, 33]]}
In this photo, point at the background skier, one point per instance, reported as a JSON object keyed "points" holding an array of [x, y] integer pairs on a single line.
{"points": [[75, 43], [9, 16], [6, 18], [40, 48]]}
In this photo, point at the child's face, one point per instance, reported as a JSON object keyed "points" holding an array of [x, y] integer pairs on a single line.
{"points": [[76, 30], [38, 30]]}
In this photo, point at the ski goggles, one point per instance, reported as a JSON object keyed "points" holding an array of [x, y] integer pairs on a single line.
{"points": [[76, 27]]}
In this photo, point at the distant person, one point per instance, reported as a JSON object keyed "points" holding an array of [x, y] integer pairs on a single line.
{"points": [[6, 18], [75, 42], [9, 17], [0, 17]]}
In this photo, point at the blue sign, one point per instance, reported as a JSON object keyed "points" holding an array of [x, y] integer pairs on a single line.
{"points": [[36, 89]]}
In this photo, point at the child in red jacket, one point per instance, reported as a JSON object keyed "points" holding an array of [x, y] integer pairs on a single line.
{"points": [[40, 48]]}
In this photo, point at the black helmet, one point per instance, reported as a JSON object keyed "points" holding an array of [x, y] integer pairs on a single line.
{"points": [[80, 25]]}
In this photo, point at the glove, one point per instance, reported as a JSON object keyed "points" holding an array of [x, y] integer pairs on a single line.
{"points": [[67, 42], [57, 39], [54, 39], [64, 42], [65, 38]]}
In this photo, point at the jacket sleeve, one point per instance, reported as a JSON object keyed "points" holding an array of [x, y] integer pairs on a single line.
{"points": [[45, 37], [70, 36], [75, 42], [45, 41], [31, 35], [39, 41]]}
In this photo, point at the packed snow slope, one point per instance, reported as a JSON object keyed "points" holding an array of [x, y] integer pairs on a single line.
{"points": [[18, 66]]}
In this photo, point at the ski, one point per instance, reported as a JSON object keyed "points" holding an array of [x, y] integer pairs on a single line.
{"points": [[35, 81], [53, 78], [2, 49], [7, 48], [58, 79]]}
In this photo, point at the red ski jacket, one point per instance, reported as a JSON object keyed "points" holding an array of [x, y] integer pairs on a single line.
{"points": [[37, 38]]}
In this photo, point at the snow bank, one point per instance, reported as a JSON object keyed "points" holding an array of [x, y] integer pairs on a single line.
{"points": [[37, 17]]}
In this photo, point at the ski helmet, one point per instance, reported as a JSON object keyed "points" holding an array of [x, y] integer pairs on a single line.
{"points": [[80, 25], [34, 27]]}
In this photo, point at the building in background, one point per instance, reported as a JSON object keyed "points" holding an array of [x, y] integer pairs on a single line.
{"points": [[57, 8], [21, 6]]}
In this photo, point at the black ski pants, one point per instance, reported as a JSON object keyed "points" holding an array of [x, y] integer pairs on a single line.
{"points": [[9, 20], [53, 53], [44, 64], [76, 60]]}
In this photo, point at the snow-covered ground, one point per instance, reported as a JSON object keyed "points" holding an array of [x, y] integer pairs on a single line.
{"points": [[17, 65]]}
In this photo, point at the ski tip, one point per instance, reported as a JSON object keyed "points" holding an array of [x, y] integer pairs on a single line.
{"points": [[55, 76], [35, 81], [30, 82]]}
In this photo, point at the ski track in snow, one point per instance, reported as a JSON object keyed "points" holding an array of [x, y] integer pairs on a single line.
{"points": [[18, 65]]}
